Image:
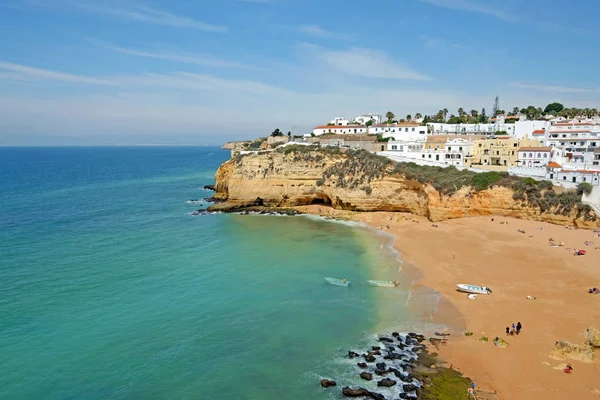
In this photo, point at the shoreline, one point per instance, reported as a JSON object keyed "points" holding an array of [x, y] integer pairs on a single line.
{"points": [[515, 265]]}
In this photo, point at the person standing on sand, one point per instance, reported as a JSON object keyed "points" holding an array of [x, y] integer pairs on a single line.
{"points": [[519, 326], [507, 331]]}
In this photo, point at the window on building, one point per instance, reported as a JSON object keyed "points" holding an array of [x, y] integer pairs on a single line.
{"points": [[394, 147], [413, 129], [545, 155], [515, 144], [460, 149], [423, 156], [530, 155]]}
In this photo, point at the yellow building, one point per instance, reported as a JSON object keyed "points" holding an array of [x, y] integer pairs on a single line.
{"points": [[499, 152]]}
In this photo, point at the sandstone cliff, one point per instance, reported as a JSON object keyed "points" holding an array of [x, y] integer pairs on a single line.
{"points": [[360, 181]]}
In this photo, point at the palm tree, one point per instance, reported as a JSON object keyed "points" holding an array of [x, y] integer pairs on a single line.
{"points": [[409, 117], [418, 116], [516, 111], [390, 115], [461, 112], [474, 113]]}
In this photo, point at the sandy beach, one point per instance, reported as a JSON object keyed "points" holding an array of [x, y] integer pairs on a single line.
{"points": [[515, 265]]}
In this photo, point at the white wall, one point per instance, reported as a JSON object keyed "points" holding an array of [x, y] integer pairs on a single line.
{"points": [[525, 128]]}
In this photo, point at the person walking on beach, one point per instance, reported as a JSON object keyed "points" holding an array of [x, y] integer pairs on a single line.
{"points": [[507, 331], [519, 326]]}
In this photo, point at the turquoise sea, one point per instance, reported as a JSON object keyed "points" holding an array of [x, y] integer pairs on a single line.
{"points": [[110, 289]]}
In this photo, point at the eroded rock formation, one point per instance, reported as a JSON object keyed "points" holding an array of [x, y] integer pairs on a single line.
{"points": [[361, 182]]}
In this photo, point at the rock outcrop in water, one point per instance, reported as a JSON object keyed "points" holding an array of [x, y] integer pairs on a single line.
{"points": [[361, 181]]}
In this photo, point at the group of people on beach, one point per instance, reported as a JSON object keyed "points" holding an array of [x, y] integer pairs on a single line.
{"points": [[515, 329]]}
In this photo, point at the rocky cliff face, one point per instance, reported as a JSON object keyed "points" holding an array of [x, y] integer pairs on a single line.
{"points": [[286, 178]]}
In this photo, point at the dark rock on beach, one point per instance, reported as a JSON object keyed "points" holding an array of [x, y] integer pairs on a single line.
{"points": [[366, 376], [387, 382], [386, 339], [375, 348], [209, 187], [362, 364], [352, 354], [381, 365]]}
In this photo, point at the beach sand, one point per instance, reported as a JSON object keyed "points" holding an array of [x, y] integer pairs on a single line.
{"points": [[514, 265]]}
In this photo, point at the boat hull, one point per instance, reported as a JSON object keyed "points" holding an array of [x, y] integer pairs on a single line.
{"points": [[337, 282], [473, 289]]}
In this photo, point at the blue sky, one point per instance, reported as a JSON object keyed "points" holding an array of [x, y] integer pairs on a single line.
{"points": [[203, 72]]}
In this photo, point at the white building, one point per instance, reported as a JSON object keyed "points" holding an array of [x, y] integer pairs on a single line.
{"points": [[470, 129], [406, 146], [576, 142], [534, 157], [460, 145], [525, 128], [557, 172], [453, 152], [363, 119], [339, 129], [402, 131], [339, 121]]}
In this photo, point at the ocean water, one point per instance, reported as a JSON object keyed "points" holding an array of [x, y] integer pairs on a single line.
{"points": [[110, 289]]}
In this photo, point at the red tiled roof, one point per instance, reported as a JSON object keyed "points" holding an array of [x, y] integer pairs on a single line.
{"points": [[553, 164], [539, 132]]}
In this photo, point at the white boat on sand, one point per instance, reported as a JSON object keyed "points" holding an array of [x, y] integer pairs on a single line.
{"points": [[338, 282], [463, 287]]}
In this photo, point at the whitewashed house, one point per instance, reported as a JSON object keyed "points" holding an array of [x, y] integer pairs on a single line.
{"points": [[576, 141], [460, 145], [534, 157], [339, 121], [402, 131], [339, 129], [363, 119], [406, 146]]}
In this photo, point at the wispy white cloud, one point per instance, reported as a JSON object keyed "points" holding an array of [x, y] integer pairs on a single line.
{"points": [[26, 71], [437, 43], [142, 13], [318, 32], [366, 63], [549, 88], [477, 6], [198, 59]]}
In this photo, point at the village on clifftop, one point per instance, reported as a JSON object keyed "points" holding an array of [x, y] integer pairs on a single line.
{"points": [[562, 145]]}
